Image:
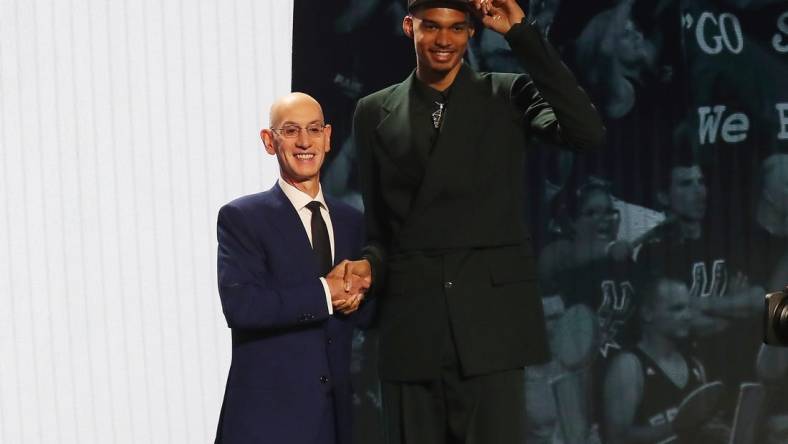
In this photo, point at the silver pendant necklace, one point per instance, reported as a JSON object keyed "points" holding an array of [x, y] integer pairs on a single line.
{"points": [[436, 116]]}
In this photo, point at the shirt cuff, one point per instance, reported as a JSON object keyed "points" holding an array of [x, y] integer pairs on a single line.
{"points": [[328, 295]]}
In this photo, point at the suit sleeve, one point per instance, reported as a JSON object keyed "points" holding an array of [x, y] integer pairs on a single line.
{"points": [[555, 107], [251, 297], [375, 249], [364, 317]]}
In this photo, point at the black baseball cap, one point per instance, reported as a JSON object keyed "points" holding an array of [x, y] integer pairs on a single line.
{"points": [[464, 5]]}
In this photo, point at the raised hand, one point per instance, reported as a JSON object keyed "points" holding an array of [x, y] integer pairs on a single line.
{"points": [[498, 15]]}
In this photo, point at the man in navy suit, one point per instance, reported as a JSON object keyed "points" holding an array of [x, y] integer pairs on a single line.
{"points": [[292, 321]]}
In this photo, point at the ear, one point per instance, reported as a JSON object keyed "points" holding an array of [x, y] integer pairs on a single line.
{"points": [[327, 135], [268, 140], [407, 26]]}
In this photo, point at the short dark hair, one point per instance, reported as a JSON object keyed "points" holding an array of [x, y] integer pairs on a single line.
{"points": [[566, 204], [568, 201]]}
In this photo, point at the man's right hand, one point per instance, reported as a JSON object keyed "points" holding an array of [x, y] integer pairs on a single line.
{"points": [[361, 269], [343, 301], [498, 15], [348, 282]]}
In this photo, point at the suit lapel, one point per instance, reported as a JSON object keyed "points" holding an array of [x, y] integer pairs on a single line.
{"points": [[394, 132], [455, 155], [287, 221], [465, 121]]}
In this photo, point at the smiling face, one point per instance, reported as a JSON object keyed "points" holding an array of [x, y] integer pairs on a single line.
{"points": [[440, 37], [300, 157], [597, 218], [687, 193]]}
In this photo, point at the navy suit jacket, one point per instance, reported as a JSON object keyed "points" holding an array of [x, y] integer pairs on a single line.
{"points": [[288, 355]]}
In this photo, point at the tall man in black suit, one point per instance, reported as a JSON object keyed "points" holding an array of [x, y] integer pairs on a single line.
{"points": [[449, 254]]}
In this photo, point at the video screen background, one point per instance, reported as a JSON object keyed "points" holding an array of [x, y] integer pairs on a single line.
{"points": [[694, 94]]}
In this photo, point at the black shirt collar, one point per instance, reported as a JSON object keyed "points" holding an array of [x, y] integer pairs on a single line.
{"points": [[428, 95]]}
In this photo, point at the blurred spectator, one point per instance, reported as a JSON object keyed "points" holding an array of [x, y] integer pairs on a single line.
{"points": [[645, 385], [588, 265], [613, 54], [765, 249], [689, 249]]}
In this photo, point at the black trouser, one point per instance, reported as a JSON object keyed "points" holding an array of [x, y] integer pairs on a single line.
{"points": [[483, 409]]}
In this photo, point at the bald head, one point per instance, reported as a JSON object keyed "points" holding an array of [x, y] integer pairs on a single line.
{"points": [[299, 138], [294, 105]]}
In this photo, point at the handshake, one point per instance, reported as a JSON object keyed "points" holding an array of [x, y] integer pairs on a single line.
{"points": [[348, 282]]}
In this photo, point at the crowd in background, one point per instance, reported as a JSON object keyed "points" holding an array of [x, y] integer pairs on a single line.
{"points": [[655, 253]]}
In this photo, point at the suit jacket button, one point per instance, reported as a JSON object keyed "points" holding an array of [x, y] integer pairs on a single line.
{"points": [[448, 284], [330, 341], [323, 379]]}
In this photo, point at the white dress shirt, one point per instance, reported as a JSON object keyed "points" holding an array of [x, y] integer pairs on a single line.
{"points": [[299, 199]]}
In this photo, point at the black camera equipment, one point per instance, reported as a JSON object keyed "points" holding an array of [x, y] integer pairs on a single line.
{"points": [[775, 325]]}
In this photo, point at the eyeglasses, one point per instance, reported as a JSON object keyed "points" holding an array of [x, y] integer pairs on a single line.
{"points": [[292, 131]]}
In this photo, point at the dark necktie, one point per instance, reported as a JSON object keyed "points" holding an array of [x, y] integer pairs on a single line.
{"points": [[320, 241]]}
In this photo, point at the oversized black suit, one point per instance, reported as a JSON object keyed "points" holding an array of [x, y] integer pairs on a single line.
{"points": [[462, 201]]}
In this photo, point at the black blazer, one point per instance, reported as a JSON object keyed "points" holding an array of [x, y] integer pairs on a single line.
{"points": [[467, 195]]}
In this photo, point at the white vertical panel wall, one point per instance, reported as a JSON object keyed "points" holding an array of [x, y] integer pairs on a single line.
{"points": [[124, 125]]}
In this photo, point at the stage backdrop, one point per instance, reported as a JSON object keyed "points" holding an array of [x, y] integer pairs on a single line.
{"points": [[124, 126], [691, 191]]}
